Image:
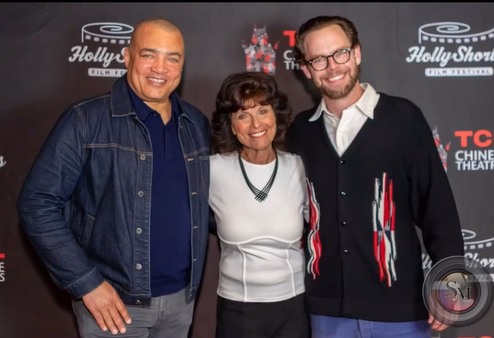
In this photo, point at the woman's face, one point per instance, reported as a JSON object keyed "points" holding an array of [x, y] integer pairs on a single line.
{"points": [[255, 127]]}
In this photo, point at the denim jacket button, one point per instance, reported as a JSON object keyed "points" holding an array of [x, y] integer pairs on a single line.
{"points": [[140, 193], [138, 231], [142, 157], [138, 266]]}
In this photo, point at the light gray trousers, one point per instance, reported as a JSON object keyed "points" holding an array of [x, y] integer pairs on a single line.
{"points": [[169, 316]]}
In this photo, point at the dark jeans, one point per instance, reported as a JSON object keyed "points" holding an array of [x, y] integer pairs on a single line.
{"points": [[284, 319]]}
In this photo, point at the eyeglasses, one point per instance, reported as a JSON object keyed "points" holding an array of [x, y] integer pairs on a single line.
{"points": [[341, 56]]}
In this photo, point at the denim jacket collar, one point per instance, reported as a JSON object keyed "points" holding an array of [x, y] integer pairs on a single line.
{"points": [[121, 102]]}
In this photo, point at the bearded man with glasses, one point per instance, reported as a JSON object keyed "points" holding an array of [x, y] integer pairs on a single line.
{"points": [[374, 174]]}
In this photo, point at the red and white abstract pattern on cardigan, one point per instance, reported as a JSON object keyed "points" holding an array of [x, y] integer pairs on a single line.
{"points": [[314, 241], [383, 213]]}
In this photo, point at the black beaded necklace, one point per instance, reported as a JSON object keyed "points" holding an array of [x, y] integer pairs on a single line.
{"points": [[261, 195]]}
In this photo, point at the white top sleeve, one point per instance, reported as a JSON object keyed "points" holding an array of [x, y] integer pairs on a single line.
{"points": [[261, 255]]}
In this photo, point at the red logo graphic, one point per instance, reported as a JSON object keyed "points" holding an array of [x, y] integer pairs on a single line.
{"points": [[260, 55], [481, 138], [2, 255], [441, 149]]}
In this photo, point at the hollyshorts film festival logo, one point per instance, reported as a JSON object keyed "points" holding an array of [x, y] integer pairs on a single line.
{"points": [[476, 249], [101, 47], [453, 50], [261, 53]]}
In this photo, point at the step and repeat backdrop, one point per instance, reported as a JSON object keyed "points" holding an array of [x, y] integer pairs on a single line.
{"points": [[441, 56]]}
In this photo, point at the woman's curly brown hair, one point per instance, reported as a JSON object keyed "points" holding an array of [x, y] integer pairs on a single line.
{"points": [[243, 91]]}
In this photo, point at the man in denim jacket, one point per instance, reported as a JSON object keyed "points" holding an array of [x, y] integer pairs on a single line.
{"points": [[116, 204]]}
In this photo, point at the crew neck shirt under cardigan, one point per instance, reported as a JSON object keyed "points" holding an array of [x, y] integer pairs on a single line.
{"points": [[390, 171], [261, 256]]}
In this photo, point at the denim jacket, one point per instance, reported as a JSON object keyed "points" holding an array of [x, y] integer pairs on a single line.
{"points": [[85, 204]]}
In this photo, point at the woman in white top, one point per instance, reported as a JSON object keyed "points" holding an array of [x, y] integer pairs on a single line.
{"points": [[259, 197]]}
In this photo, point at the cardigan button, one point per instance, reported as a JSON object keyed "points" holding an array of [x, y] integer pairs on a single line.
{"points": [[343, 223], [342, 193], [342, 161]]}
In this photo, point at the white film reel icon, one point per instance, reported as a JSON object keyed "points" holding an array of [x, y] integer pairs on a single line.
{"points": [[470, 244], [107, 32], [451, 32]]}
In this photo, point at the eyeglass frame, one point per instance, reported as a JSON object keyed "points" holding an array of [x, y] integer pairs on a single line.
{"points": [[348, 50]]}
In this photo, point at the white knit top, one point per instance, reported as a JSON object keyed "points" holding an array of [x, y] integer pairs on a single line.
{"points": [[261, 255]]}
